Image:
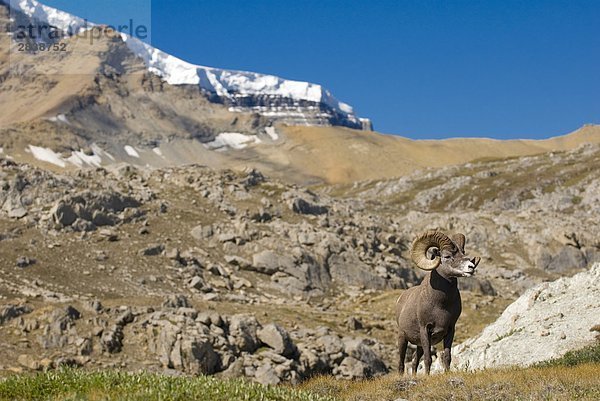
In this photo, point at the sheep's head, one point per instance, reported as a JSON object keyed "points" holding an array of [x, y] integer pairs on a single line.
{"points": [[435, 250]]}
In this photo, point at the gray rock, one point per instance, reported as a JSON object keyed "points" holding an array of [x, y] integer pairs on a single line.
{"points": [[353, 323], [330, 344], [253, 178], [262, 216], [199, 284], [567, 259], [313, 363], [81, 225], [266, 375], [199, 357], [210, 318], [269, 262], [352, 369], [176, 301], [100, 218], [8, 312], [152, 250], [173, 254], [112, 339], [278, 339], [109, 234], [243, 332], [202, 232], [346, 268], [302, 206], [360, 350], [476, 285], [592, 255], [227, 237], [13, 206], [28, 361], [24, 261], [238, 261], [235, 370]]}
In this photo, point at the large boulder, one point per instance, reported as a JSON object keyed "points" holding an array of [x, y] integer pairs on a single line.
{"points": [[13, 206], [360, 350], [544, 323], [302, 206], [92, 208], [63, 214], [346, 268], [8, 312], [568, 258], [198, 357], [269, 262], [277, 338], [243, 332]]}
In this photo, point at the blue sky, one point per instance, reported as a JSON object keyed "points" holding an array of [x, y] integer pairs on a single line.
{"points": [[421, 69]]}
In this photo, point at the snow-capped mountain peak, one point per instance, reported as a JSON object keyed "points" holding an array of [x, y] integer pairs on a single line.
{"points": [[272, 96]]}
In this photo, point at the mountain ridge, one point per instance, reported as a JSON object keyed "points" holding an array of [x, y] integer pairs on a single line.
{"points": [[103, 101], [235, 88]]}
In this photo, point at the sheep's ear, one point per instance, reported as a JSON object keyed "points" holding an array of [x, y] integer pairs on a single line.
{"points": [[459, 239]]}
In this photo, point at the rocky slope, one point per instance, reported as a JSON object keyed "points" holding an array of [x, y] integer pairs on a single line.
{"points": [[326, 262]]}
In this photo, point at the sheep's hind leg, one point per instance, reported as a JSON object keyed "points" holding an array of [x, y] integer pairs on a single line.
{"points": [[417, 359], [402, 345]]}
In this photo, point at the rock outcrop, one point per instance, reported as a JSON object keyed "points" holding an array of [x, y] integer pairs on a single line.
{"points": [[544, 323]]}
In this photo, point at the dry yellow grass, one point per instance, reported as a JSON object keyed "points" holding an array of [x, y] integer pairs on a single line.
{"points": [[551, 383], [341, 155]]}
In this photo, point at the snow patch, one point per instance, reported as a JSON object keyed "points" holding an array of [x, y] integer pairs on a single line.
{"points": [[64, 21], [272, 133], [101, 152], [158, 151], [60, 118], [79, 158], [131, 151], [47, 155], [233, 140], [1, 150]]}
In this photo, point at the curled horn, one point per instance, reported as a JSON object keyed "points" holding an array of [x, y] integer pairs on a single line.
{"points": [[425, 241], [459, 240]]}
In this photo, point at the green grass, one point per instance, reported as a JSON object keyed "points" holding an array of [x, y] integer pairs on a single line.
{"points": [[590, 354], [573, 376], [72, 384], [510, 333]]}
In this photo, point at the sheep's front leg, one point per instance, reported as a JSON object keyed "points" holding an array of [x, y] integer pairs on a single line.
{"points": [[402, 345], [447, 358], [426, 344], [417, 358]]}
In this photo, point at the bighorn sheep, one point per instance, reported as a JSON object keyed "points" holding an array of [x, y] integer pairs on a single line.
{"points": [[426, 314]]}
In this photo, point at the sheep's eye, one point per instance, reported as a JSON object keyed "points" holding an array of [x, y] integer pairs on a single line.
{"points": [[447, 256]]}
